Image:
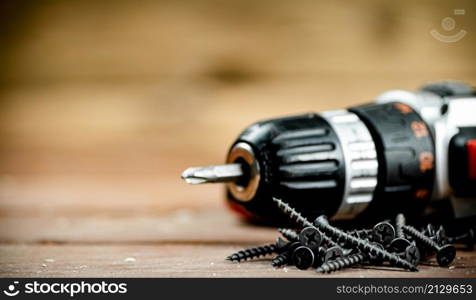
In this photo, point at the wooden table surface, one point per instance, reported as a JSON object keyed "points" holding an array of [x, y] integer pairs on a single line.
{"points": [[103, 106], [185, 243]]}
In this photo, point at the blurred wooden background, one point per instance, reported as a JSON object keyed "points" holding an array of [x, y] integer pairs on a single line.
{"points": [[104, 103]]}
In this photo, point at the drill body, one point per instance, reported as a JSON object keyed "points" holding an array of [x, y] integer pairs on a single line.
{"points": [[407, 152]]}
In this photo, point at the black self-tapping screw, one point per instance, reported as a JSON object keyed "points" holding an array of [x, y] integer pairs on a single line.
{"points": [[300, 220], [303, 258], [444, 254], [400, 221], [361, 233], [325, 254], [332, 253], [259, 251], [363, 245], [285, 256], [322, 224], [411, 254], [430, 232], [399, 243], [289, 234], [252, 253], [310, 237], [281, 259], [292, 213], [342, 262], [383, 233]]}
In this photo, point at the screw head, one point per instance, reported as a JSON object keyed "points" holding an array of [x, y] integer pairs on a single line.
{"points": [[412, 254], [399, 245], [383, 233], [303, 257], [310, 237], [445, 255], [332, 253]]}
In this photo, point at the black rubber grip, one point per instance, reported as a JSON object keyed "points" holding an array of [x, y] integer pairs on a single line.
{"points": [[301, 161]]}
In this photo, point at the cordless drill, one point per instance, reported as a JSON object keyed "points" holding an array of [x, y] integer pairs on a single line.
{"points": [[407, 152]]}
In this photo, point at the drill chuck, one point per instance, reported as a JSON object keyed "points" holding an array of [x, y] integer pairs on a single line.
{"points": [[366, 162]]}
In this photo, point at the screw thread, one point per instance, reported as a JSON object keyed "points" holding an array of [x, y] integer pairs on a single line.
{"points": [[399, 223], [342, 262], [289, 234], [253, 252], [321, 251], [364, 246], [362, 233], [410, 230], [292, 213], [299, 219], [281, 259]]}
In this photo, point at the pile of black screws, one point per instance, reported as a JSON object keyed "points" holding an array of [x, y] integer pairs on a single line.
{"points": [[326, 248]]}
